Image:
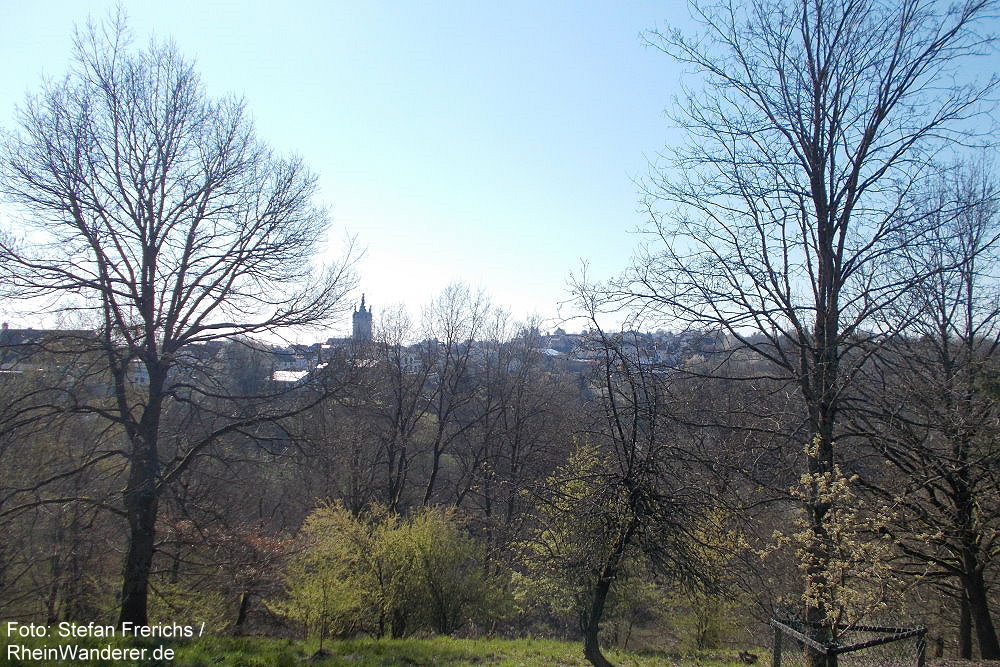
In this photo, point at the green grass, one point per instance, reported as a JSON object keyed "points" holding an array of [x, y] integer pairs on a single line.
{"points": [[264, 652]]}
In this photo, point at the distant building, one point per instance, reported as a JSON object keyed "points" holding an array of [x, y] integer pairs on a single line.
{"points": [[362, 332], [21, 348]]}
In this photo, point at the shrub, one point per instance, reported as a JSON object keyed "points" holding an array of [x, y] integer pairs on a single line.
{"points": [[380, 572]]}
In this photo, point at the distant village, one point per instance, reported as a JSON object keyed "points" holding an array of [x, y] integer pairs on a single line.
{"points": [[19, 348]]}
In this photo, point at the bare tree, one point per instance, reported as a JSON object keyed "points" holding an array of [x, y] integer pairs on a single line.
{"points": [[525, 407], [402, 382], [427, 390], [157, 209], [776, 221], [928, 405], [454, 325]]}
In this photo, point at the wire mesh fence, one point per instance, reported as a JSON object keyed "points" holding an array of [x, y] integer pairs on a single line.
{"points": [[860, 646]]}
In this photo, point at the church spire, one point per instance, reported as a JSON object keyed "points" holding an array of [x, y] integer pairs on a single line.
{"points": [[362, 322]]}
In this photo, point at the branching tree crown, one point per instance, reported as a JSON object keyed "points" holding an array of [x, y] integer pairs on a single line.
{"points": [[156, 209], [158, 206], [780, 221]]}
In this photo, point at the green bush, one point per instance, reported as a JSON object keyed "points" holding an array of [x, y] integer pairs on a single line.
{"points": [[380, 572]]}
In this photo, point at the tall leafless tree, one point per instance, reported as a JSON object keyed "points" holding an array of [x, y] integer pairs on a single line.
{"points": [[403, 380], [427, 390], [524, 407], [157, 209], [815, 122], [454, 326], [928, 406]]}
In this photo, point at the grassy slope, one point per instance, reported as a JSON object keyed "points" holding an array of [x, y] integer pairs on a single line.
{"points": [[211, 651]]}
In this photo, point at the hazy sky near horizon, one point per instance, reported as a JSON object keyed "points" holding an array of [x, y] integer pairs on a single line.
{"points": [[497, 144]]}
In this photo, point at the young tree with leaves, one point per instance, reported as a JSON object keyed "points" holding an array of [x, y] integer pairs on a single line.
{"points": [[629, 489]]}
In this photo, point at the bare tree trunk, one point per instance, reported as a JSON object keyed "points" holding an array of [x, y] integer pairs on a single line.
{"points": [[436, 450], [979, 610], [964, 627], [820, 387], [815, 659], [592, 629], [141, 500], [591, 638], [52, 603], [141, 505], [241, 616]]}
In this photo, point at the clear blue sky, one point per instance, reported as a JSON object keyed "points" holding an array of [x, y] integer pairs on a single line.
{"points": [[494, 143]]}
